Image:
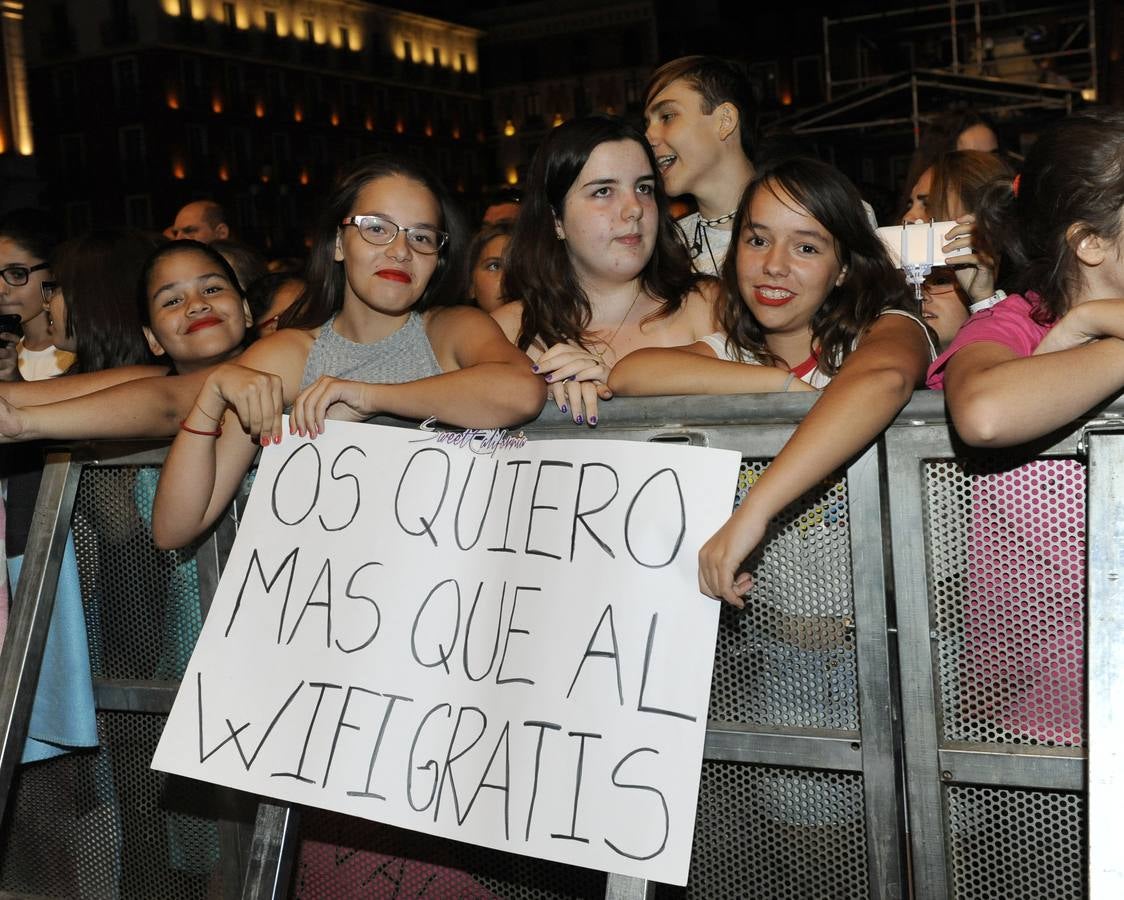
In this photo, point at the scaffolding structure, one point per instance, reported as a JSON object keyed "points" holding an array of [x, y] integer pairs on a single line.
{"points": [[886, 71]]}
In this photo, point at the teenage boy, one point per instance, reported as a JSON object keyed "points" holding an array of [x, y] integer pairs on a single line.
{"points": [[701, 120]]}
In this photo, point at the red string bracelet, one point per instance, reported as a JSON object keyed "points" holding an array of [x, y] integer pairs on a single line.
{"points": [[185, 427]]}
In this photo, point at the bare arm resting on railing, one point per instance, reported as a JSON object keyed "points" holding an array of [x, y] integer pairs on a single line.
{"points": [[695, 369], [487, 382], [52, 390], [997, 398], [874, 383], [143, 409]]}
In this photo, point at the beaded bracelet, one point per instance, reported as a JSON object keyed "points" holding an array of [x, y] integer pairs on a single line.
{"points": [[185, 427]]}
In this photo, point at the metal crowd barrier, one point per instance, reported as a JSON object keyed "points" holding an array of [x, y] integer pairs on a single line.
{"points": [[899, 711]]}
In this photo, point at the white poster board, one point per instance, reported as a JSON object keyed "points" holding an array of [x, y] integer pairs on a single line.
{"points": [[477, 637]]}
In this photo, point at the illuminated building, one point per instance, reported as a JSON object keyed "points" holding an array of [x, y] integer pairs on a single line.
{"points": [[142, 105], [544, 63], [17, 167]]}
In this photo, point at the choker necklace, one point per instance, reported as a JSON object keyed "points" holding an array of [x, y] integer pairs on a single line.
{"points": [[721, 220], [701, 239]]}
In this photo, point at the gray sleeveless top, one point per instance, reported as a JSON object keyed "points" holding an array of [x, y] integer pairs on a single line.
{"points": [[403, 356]]}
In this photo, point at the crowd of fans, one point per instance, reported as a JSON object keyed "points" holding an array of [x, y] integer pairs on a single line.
{"points": [[582, 288]]}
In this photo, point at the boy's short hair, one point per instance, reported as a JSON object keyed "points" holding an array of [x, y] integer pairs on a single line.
{"points": [[717, 81]]}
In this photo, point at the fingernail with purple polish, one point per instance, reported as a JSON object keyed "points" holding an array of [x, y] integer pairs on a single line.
{"points": [[579, 420], [593, 420], [563, 407]]}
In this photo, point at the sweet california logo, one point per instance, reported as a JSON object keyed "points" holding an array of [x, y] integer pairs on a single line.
{"points": [[482, 441]]}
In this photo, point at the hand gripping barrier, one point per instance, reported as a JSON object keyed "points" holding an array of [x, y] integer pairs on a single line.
{"points": [[899, 711]]}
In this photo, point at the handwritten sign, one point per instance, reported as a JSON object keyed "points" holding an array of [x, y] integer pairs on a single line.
{"points": [[494, 642]]}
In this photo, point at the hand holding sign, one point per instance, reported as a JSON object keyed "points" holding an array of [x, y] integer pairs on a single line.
{"points": [[493, 642]]}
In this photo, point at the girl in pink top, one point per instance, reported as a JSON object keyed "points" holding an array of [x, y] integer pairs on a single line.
{"points": [[1058, 232], [1009, 377]]}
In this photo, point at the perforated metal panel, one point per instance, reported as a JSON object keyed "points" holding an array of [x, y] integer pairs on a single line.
{"points": [[102, 824], [788, 658], [141, 604], [343, 857], [1006, 557], [772, 833], [1015, 844]]}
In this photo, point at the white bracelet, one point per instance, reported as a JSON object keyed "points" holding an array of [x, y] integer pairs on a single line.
{"points": [[987, 302], [788, 382]]}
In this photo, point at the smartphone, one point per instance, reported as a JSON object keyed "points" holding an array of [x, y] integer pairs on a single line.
{"points": [[9, 324], [919, 244]]}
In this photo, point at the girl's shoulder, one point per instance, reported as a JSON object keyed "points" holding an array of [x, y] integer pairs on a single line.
{"points": [[284, 352], [699, 312], [510, 319]]}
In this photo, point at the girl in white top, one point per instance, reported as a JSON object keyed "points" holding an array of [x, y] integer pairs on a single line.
{"points": [[812, 302]]}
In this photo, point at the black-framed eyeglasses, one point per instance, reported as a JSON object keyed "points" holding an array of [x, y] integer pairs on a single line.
{"points": [[17, 276], [48, 288], [379, 230]]}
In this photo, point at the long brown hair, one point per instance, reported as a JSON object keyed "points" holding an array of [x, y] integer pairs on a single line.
{"points": [[1071, 186], [540, 273], [871, 286]]}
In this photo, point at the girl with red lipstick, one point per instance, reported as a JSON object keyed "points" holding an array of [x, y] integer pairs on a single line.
{"points": [[812, 301], [379, 329], [595, 264]]}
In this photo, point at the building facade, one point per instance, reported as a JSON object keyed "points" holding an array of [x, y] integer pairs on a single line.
{"points": [[142, 105], [544, 63]]}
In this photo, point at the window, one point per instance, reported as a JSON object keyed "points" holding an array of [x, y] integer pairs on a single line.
{"points": [[464, 61], [309, 29], [275, 84], [72, 153], [126, 84], [65, 84], [435, 56], [280, 143], [240, 147], [270, 22], [130, 146], [235, 82], [138, 211], [531, 104], [196, 142], [345, 37], [408, 50], [228, 15]]}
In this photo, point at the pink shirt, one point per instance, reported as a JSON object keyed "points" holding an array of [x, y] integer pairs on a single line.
{"points": [[1010, 323]]}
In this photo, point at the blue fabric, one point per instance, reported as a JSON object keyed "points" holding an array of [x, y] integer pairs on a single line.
{"points": [[62, 717]]}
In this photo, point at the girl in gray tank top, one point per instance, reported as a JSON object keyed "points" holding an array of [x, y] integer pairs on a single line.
{"points": [[379, 329]]}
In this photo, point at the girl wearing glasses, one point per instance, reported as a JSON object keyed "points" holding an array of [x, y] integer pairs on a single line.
{"points": [[376, 331], [27, 239]]}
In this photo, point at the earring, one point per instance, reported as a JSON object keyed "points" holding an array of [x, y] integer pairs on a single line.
{"points": [[842, 277]]}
